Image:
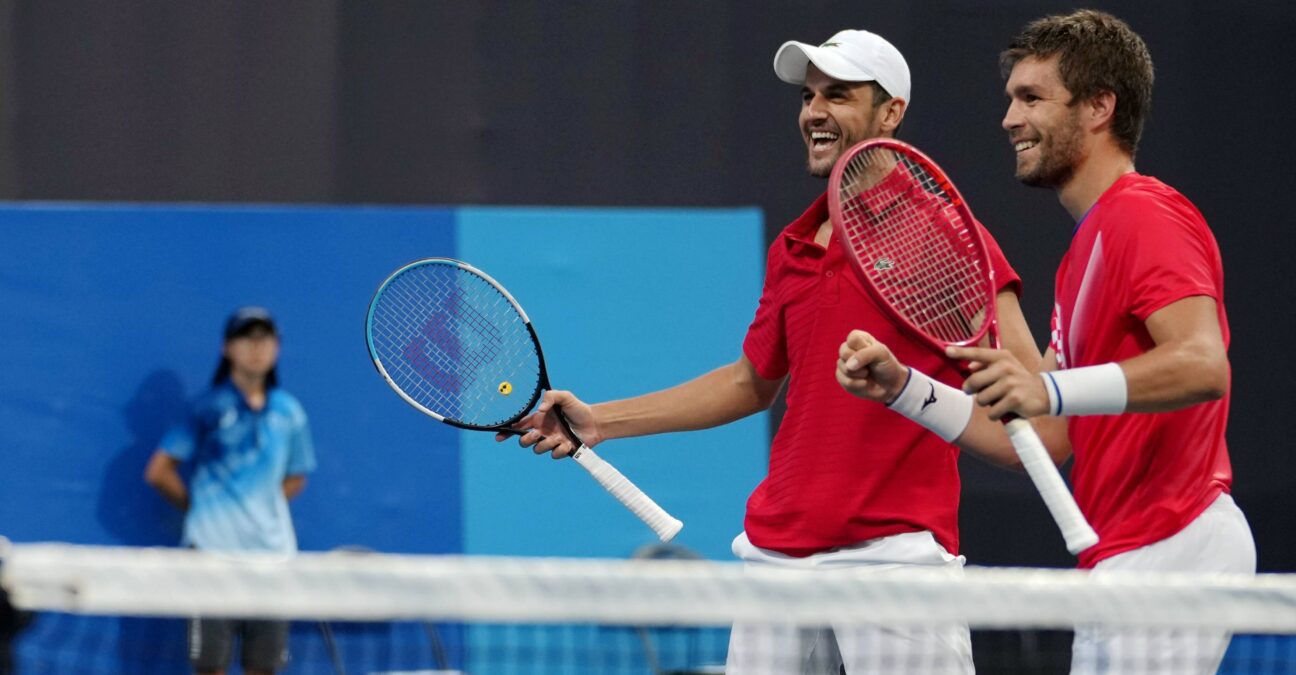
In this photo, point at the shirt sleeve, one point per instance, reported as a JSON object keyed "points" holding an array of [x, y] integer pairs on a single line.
{"points": [[1006, 278], [301, 450], [766, 344], [1165, 252], [181, 440]]}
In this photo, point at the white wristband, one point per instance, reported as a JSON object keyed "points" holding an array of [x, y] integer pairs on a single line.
{"points": [[940, 408], [1092, 390]]}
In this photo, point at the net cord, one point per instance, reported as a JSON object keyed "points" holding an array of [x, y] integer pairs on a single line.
{"points": [[360, 587]]}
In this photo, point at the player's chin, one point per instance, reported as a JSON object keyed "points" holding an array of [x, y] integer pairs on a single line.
{"points": [[1032, 178], [821, 159], [1027, 174], [1030, 172], [820, 167]]}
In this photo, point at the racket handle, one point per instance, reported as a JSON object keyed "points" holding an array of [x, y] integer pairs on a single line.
{"points": [[640, 504], [1043, 472]]}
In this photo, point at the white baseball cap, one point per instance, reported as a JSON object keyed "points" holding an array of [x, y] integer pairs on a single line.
{"points": [[849, 56]]}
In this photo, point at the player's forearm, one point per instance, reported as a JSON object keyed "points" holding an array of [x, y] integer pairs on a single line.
{"points": [[172, 488], [293, 486], [987, 439], [161, 474], [721, 396], [1175, 375]]}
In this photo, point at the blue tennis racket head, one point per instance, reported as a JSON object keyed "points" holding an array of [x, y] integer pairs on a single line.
{"points": [[454, 344]]}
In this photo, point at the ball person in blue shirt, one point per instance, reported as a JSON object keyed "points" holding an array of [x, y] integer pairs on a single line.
{"points": [[250, 449]]}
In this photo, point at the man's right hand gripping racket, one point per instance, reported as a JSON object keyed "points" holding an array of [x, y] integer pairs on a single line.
{"points": [[455, 345], [916, 246]]}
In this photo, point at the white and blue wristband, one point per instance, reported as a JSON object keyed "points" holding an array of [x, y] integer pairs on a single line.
{"points": [[936, 406], [1091, 390]]}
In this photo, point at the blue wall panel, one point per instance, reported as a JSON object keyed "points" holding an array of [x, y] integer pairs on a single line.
{"points": [[112, 318], [625, 302]]}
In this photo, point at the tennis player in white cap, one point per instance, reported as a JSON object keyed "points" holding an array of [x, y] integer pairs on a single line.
{"points": [[850, 484]]}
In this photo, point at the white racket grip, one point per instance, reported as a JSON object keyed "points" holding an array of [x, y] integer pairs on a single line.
{"points": [[1043, 472], [640, 504]]}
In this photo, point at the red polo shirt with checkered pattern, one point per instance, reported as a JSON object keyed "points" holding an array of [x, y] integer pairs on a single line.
{"points": [[843, 470]]}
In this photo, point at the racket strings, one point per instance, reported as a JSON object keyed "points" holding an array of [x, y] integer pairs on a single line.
{"points": [[429, 351], [456, 345], [913, 244]]}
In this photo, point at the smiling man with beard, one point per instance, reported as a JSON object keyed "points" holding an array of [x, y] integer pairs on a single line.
{"points": [[1138, 327], [849, 483]]}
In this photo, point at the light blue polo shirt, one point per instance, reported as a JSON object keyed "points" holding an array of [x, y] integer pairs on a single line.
{"points": [[240, 458]]}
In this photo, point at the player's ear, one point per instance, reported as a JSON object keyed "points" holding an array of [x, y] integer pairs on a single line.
{"points": [[891, 114], [1100, 110]]}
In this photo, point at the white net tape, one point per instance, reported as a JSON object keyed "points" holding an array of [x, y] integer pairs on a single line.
{"points": [[373, 587]]}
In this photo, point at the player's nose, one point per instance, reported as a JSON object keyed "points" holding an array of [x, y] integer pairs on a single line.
{"points": [[1012, 118]]}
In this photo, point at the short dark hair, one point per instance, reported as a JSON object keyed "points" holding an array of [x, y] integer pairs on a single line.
{"points": [[881, 96], [1097, 52]]}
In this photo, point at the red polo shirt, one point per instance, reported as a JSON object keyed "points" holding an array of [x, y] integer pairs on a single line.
{"points": [[843, 470]]}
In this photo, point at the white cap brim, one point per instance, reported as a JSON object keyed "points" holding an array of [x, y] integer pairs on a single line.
{"points": [[791, 59]]}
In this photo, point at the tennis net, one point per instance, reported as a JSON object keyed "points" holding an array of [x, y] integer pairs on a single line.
{"points": [[123, 610]]}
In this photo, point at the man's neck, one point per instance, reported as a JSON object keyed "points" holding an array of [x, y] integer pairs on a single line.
{"points": [[1095, 173], [824, 233]]}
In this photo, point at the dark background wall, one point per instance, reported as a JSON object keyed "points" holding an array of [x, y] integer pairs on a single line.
{"points": [[631, 103]]}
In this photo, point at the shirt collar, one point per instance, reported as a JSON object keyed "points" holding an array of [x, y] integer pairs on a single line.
{"points": [[1111, 189], [801, 232]]}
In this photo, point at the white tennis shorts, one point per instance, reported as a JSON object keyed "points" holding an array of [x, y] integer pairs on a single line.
{"points": [[772, 649], [1219, 540]]}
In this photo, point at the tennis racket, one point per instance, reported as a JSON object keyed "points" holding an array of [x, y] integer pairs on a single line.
{"points": [[455, 345], [913, 241]]}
